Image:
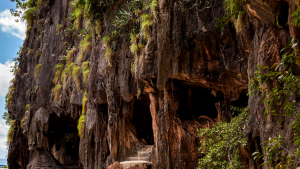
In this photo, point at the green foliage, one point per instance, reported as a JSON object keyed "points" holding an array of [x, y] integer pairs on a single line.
{"points": [[27, 92], [37, 70], [22, 123], [297, 17], [274, 147], [108, 55], [84, 103], [30, 14], [26, 107], [11, 131], [5, 116], [58, 71], [153, 8], [70, 55], [279, 87], [221, 143], [36, 88], [185, 5], [39, 3], [85, 45], [9, 96], [57, 91], [59, 28], [85, 70], [106, 41], [81, 125], [38, 53], [234, 8], [146, 24], [75, 74], [67, 71]]}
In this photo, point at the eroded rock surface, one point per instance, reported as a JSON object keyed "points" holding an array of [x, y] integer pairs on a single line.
{"points": [[186, 78]]}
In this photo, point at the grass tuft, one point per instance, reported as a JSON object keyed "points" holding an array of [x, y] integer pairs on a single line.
{"points": [[81, 125], [84, 103], [75, 74], [37, 70], [38, 53], [106, 40], [70, 55], [85, 45], [57, 91], [10, 131], [59, 68], [26, 107], [108, 54], [146, 24], [85, 70]]}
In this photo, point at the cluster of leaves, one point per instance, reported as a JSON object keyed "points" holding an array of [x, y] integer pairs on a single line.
{"points": [[27, 10], [220, 144], [234, 8], [5, 116], [280, 87], [273, 148]]}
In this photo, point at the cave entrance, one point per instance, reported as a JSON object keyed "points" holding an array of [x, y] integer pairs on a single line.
{"points": [[142, 120], [195, 101], [64, 140]]}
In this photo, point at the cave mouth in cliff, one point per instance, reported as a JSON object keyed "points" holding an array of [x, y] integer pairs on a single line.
{"points": [[63, 139], [195, 101], [142, 120]]}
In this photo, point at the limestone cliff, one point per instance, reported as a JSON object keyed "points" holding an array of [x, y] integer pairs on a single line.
{"points": [[183, 76]]}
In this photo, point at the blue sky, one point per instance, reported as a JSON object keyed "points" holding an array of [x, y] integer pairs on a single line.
{"points": [[11, 38]]}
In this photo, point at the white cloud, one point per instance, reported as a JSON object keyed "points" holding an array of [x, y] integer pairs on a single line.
{"points": [[3, 138], [9, 25], [5, 77]]}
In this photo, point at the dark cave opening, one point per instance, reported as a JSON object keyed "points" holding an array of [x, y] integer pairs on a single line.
{"points": [[142, 120], [282, 14], [195, 101], [240, 103], [63, 139]]}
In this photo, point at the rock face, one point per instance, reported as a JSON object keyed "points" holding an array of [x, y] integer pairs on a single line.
{"points": [[186, 77]]}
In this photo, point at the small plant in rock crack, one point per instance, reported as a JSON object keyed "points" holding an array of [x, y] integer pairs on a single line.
{"points": [[37, 70], [85, 70], [75, 74], [11, 131], [234, 8], [57, 91]]}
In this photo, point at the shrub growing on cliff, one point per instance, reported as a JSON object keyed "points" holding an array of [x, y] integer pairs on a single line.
{"points": [[81, 125], [10, 131], [221, 144], [37, 70]]}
